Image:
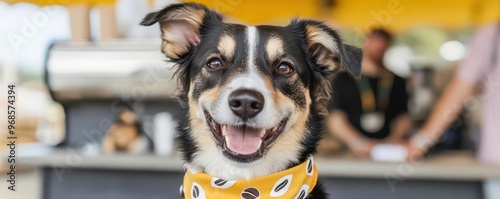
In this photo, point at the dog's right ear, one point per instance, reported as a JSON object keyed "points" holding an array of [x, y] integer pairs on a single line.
{"points": [[181, 26]]}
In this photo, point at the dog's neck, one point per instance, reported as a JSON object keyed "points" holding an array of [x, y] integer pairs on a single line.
{"points": [[218, 166]]}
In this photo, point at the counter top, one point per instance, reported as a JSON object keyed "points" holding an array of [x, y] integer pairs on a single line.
{"points": [[453, 165], [443, 166]]}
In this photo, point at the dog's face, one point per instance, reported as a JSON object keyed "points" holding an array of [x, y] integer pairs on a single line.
{"points": [[251, 92]]}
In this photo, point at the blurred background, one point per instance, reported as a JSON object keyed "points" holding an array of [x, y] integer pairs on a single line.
{"points": [[85, 71]]}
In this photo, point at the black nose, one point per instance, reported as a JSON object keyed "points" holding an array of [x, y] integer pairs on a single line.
{"points": [[246, 103]]}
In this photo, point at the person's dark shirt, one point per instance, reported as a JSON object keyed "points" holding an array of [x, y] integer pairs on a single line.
{"points": [[346, 97]]}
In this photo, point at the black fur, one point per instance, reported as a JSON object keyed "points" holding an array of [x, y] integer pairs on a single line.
{"points": [[349, 57], [211, 21], [318, 192], [184, 140], [311, 75]]}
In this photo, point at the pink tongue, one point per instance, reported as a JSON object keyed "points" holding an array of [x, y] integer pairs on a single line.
{"points": [[242, 140]]}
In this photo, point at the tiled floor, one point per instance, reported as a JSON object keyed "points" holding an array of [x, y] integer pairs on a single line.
{"points": [[27, 186]]}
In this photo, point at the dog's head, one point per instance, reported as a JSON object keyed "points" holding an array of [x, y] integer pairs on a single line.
{"points": [[253, 93]]}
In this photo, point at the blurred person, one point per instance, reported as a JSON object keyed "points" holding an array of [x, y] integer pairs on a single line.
{"points": [[373, 109], [479, 69]]}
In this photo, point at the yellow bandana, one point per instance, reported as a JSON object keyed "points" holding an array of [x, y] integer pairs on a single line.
{"points": [[294, 183]]}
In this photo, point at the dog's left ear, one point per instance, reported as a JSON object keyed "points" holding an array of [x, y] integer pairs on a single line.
{"points": [[327, 49], [181, 26], [329, 54]]}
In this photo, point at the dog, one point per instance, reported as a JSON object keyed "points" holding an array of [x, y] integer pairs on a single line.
{"points": [[254, 100]]}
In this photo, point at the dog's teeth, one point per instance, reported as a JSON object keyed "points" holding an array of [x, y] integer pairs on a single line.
{"points": [[227, 140], [262, 133], [224, 130], [260, 143]]}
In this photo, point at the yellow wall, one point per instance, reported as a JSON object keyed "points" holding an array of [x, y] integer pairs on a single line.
{"points": [[400, 15], [360, 15], [61, 2], [264, 11]]}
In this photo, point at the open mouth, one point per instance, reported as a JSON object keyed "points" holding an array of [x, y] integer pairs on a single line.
{"points": [[243, 143]]}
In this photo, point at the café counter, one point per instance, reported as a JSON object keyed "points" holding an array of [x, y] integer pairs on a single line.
{"points": [[73, 174]]}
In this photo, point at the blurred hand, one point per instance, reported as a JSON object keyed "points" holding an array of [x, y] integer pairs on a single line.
{"points": [[418, 146], [362, 148], [414, 152]]}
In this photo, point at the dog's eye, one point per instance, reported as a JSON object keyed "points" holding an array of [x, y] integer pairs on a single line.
{"points": [[284, 69], [214, 64]]}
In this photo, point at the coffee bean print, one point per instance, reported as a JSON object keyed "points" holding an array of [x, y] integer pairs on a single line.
{"points": [[303, 192], [309, 167], [221, 183], [302, 195], [250, 193], [197, 191], [281, 186]]}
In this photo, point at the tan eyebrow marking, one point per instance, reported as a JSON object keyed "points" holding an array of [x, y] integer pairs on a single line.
{"points": [[227, 46], [274, 48]]}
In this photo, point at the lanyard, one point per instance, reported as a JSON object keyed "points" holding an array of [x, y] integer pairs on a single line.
{"points": [[368, 100]]}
